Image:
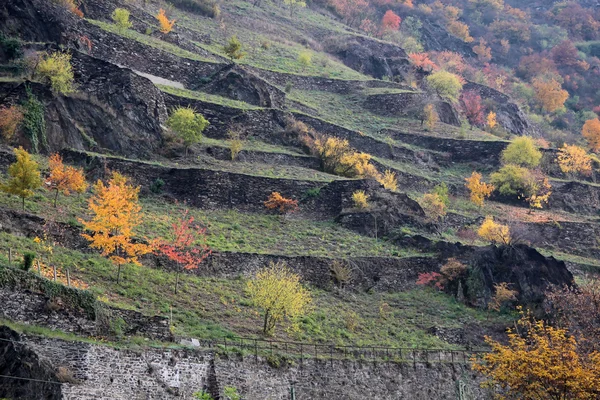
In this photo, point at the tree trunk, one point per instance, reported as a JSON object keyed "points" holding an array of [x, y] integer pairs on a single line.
{"points": [[265, 323], [23, 199]]}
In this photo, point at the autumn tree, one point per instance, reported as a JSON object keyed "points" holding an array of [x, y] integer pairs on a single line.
{"points": [[282, 205], [10, 118], [522, 151], [278, 292], [390, 21], [166, 25], [494, 232], [503, 295], [337, 157], [56, 69], [360, 199], [421, 62], [120, 17], [188, 125], [294, 4], [445, 84], [540, 362], [491, 120], [24, 176], [591, 133], [186, 245], [484, 53], [473, 108], [115, 213], [430, 116], [388, 180], [233, 49], [549, 94], [460, 30], [479, 190], [64, 178], [433, 205], [574, 160]]}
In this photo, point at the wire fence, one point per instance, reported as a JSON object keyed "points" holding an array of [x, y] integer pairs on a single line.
{"points": [[302, 350]]}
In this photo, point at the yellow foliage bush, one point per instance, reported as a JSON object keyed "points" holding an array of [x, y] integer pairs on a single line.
{"points": [[388, 180], [56, 68], [573, 159], [360, 199], [494, 232], [433, 205], [479, 190], [166, 25]]}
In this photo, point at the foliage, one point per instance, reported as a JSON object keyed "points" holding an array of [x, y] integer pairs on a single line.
{"points": [[502, 296], [64, 178], [24, 176], [433, 205], [10, 119], [479, 190], [573, 159], [445, 84], [56, 68], [390, 21], [591, 133], [472, 107], [305, 59], [491, 120], [431, 116], [278, 292], [231, 393], [430, 279], [282, 204], [522, 151], [120, 17], [494, 232], [27, 261], [511, 180], [484, 53], [337, 157], [11, 46], [549, 94], [540, 362], [293, 4], [186, 245], [233, 49], [157, 186], [460, 30], [166, 25], [188, 125], [360, 199], [115, 214], [388, 180], [34, 121], [421, 61], [441, 189], [202, 395], [539, 191]]}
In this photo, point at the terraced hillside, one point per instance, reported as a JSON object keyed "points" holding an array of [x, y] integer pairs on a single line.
{"points": [[298, 83]]}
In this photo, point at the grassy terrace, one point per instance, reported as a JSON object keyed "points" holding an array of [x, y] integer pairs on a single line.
{"points": [[207, 97], [252, 144], [216, 308]]}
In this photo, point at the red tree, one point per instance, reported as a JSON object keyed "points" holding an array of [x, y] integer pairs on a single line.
{"points": [[186, 246], [390, 21], [471, 102]]}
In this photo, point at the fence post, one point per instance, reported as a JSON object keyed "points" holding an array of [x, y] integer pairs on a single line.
{"points": [[225, 344], [464, 357], [39, 268], [316, 352], [255, 351], [9, 257], [68, 278], [54, 267], [452, 354], [414, 359]]}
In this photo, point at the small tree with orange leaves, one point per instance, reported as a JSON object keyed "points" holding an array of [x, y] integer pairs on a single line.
{"points": [[166, 25], [484, 53], [421, 61], [479, 190], [491, 120], [186, 245], [540, 362], [281, 204], [115, 214], [591, 133], [10, 118], [64, 178]]}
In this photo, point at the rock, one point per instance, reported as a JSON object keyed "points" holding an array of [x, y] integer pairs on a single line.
{"points": [[369, 56]]}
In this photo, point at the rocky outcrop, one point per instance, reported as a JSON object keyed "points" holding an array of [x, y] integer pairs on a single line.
{"points": [[237, 83], [508, 114], [408, 104], [369, 56], [35, 20]]}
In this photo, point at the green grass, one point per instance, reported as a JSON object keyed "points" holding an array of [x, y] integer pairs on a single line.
{"points": [[213, 308], [209, 98], [149, 40], [253, 144], [375, 91]]}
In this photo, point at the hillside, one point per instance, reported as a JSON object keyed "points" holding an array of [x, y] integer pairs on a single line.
{"points": [[324, 105]]}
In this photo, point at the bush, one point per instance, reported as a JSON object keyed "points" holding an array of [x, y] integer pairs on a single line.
{"points": [[305, 59], [512, 180], [157, 186], [445, 84], [27, 261], [360, 199], [11, 47], [208, 8], [233, 49], [121, 19], [10, 118], [34, 122], [56, 68], [494, 232], [188, 125], [337, 157], [522, 151]]}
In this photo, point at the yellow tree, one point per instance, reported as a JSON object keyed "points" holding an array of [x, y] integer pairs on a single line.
{"points": [[479, 190], [430, 116], [24, 176], [549, 94], [278, 292], [573, 160], [115, 214], [388, 180], [491, 120], [433, 205], [540, 362], [494, 232], [591, 133], [64, 178], [166, 25]]}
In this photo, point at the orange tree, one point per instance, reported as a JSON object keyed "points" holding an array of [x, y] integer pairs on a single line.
{"points": [[591, 133], [64, 178], [115, 214], [281, 204], [186, 245], [542, 363]]}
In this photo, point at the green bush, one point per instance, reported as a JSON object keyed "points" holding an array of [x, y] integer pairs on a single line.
{"points": [[445, 84], [27, 261], [121, 19], [512, 180], [11, 47], [522, 151], [157, 185]]}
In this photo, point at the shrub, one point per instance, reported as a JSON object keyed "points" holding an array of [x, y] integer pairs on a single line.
{"points": [[288, 87], [360, 199], [27, 261], [231, 393], [433, 206], [121, 19], [202, 395], [157, 186], [11, 46], [591, 133], [573, 160], [10, 118], [441, 190], [56, 68], [494, 232], [430, 116], [337, 157], [236, 144], [281, 204], [166, 25], [511, 180], [188, 125], [34, 122], [522, 151], [305, 59], [479, 190], [341, 273], [233, 49], [502, 296], [388, 180], [445, 84]]}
